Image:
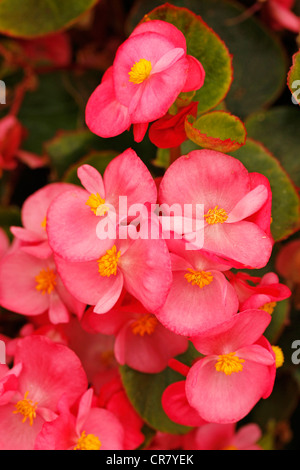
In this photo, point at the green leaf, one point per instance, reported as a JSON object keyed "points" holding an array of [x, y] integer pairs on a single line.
{"points": [[32, 18], [46, 110], [294, 78], [98, 160], [207, 47], [278, 129], [285, 198], [145, 391], [217, 130]]}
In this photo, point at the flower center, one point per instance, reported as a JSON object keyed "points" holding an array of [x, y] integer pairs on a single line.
{"points": [[140, 71], [230, 448], [108, 263], [27, 408], [44, 223], [199, 278], [269, 307], [229, 363], [97, 204], [144, 325], [45, 281], [216, 216], [88, 442], [279, 357]]}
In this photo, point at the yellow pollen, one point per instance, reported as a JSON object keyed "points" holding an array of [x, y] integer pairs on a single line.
{"points": [[144, 325], [230, 448], [229, 363], [108, 263], [45, 281], [27, 408], [269, 307], [88, 442], [279, 357], [140, 71], [44, 223], [216, 216], [97, 204], [199, 278]]}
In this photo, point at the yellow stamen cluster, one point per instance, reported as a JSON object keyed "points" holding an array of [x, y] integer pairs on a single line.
{"points": [[97, 204], [140, 71], [229, 363], [45, 281], [216, 216], [27, 408], [269, 307], [144, 325], [199, 278], [108, 263], [44, 223], [279, 356], [88, 442]]}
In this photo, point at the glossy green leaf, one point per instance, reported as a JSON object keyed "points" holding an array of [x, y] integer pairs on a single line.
{"points": [[294, 78], [278, 129], [285, 198], [31, 18], [145, 391], [46, 110], [217, 130], [207, 47]]}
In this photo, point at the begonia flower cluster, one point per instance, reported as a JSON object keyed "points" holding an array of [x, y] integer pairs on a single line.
{"points": [[127, 270]]}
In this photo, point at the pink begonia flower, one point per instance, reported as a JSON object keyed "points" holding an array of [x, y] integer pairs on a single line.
{"points": [[217, 385], [44, 371], [288, 261], [150, 70], [264, 294], [113, 397], [213, 436], [31, 286], [140, 266], [92, 428], [169, 131], [4, 243], [234, 220], [33, 236], [74, 216], [12, 134], [278, 15], [200, 297], [142, 342]]}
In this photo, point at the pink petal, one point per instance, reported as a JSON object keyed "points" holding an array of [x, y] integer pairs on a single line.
{"points": [[167, 60], [104, 115], [250, 204], [110, 297], [196, 75], [190, 310], [147, 272], [241, 330], [139, 131], [91, 179], [221, 398], [165, 29], [126, 175], [176, 406], [72, 226], [48, 370], [148, 353]]}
